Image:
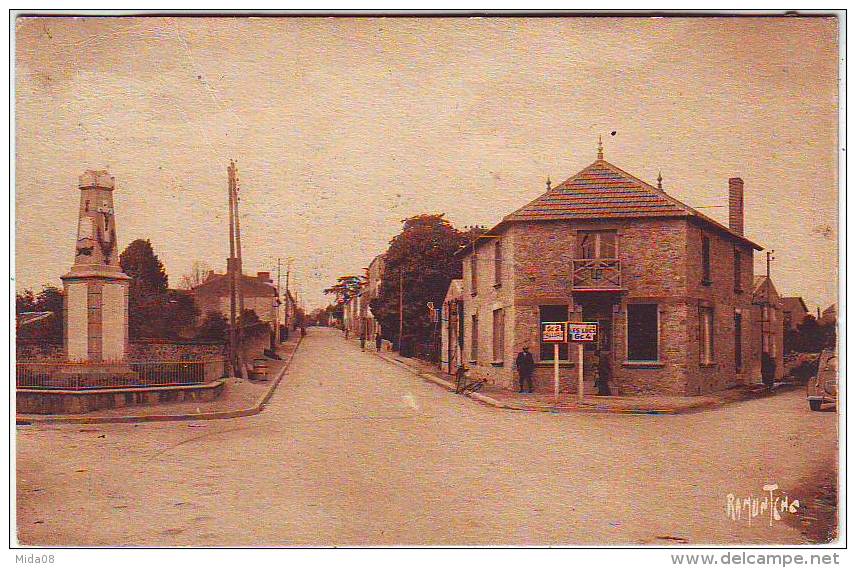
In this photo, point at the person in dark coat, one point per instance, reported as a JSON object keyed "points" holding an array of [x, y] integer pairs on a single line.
{"points": [[604, 373], [525, 367], [378, 341]]}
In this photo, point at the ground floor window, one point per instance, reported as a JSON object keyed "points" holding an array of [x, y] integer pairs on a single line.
{"points": [[498, 335], [548, 314], [705, 315], [643, 332], [738, 342], [474, 340]]}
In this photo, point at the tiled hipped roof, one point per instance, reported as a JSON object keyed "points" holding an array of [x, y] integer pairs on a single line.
{"points": [[603, 191]]}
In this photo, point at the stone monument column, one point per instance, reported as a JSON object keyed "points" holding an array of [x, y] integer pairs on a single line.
{"points": [[95, 304]]}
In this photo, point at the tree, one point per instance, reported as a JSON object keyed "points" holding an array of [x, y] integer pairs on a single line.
{"points": [[153, 309], [422, 256], [214, 327], [25, 301], [198, 272], [50, 299], [248, 318], [810, 336], [346, 287], [181, 312]]}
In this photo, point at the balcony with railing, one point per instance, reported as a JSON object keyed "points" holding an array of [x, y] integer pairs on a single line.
{"points": [[597, 275]]}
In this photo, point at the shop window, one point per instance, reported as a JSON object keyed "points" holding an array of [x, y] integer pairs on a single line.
{"points": [[548, 314], [643, 333]]}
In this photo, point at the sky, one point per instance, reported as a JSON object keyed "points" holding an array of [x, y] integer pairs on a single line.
{"points": [[343, 127]]}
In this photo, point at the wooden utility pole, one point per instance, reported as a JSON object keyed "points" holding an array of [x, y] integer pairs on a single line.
{"points": [[236, 288], [230, 268], [400, 308], [276, 337]]}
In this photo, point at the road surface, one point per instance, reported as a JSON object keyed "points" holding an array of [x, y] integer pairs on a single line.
{"points": [[353, 450]]}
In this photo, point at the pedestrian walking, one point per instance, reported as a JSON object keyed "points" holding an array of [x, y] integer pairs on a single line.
{"points": [[378, 341], [604, 373], [525, 367], [347, 332], [302, 331], [363, 341]]}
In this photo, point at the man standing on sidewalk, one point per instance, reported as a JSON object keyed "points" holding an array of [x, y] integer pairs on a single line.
{"points": [[525, 366], [378, 341], [363, 341]]}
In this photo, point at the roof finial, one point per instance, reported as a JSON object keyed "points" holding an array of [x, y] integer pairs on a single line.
{"points": [[599, 147], [660, 180], [549, 183]]}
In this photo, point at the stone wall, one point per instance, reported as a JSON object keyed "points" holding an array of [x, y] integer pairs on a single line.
{"points": [[141, 350], [721, 296]]}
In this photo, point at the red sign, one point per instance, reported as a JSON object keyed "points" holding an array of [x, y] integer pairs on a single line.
{"points": [[554, 332]]}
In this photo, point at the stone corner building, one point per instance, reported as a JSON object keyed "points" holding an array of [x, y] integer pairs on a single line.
{"points": [[670, 287]]}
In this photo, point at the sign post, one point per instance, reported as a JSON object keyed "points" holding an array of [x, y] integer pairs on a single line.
{"points": [[580, 333], [555, 332]]}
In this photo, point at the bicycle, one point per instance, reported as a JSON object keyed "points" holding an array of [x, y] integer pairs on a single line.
{"points": [[461, 384]]}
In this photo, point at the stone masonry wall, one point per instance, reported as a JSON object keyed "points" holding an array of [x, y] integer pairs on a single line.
{"points": [[151, 350], [490, 297], [725, 301]]}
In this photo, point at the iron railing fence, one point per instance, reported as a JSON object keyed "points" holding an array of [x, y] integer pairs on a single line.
{"points": [[46, 375]]}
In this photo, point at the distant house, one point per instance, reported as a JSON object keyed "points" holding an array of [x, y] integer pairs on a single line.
{"points": [[452, 328], [767, 327], [829, 315], [670, 288], [260, 295], [794, 312], [374, 278]]}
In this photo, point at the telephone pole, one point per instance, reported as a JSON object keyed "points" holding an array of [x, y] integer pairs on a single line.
{"points": [[400, 308], [234, 266], [230, 269]]}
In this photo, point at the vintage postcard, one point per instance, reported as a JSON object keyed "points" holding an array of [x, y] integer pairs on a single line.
{"points": [[384, 280]]}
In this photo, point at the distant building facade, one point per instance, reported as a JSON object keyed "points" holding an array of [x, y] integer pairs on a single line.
{"points": [[452, 328], [768, 331], [670, 287], [260, 295], [374, 277], [794, 312]]}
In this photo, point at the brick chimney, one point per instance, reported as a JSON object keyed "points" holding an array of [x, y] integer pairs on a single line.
{"points": [[735, 205]]}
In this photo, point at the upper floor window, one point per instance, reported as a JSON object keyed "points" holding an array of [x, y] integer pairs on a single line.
{"points": [[705, 260], [497, 263], [597, 244], [474, 274], [738, 271]]}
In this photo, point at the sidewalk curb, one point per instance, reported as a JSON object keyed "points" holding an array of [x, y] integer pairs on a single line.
{"points": [[585, 407], [132, 418]]}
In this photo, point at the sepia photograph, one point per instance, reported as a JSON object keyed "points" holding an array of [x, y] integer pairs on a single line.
{"points": [[316, 280]]}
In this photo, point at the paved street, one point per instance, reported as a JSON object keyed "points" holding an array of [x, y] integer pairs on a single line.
{"points": [[353, 450]]}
